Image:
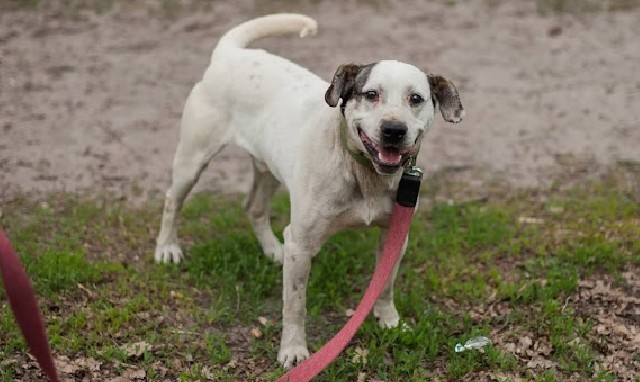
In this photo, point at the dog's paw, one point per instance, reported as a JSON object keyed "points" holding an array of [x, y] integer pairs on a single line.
{"points": [[275, 252], [387, 316], [290, 356], [168, 253]]}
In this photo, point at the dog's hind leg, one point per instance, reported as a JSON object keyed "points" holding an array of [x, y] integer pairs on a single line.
{"points": [[203, 133], [258, 208]]}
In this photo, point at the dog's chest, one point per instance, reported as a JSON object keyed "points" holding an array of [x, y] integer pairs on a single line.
{"points": [[368, 203], [366, 212]]}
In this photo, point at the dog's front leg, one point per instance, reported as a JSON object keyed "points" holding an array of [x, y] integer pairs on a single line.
{"points": [[384, 309], [299, 249]]}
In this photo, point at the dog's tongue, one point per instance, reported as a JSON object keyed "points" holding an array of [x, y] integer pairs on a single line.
{"points": [[389, 156]]}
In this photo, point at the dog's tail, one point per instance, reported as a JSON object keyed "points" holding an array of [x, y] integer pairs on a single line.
{"points": [[275, 24]]}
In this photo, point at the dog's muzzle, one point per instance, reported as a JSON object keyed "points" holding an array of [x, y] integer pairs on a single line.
{"points": [[389, 155]]}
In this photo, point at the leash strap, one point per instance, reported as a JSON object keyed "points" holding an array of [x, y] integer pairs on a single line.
{"points": [[25, 307], [400, 221]]}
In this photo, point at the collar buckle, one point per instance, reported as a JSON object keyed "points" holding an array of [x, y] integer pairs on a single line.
{"points": [[411, 168]]}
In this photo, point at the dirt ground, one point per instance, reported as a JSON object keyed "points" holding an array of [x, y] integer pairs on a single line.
{"points": [[91, 98]]}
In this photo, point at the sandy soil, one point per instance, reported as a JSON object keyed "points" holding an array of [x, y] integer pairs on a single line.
{"points": [[92, 100]]}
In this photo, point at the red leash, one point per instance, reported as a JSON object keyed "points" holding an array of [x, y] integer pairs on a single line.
{"points": [[25, 307], [400, 221]]}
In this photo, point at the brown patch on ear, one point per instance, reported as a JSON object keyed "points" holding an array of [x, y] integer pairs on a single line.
{"points": [[448, 98], [342, 84]]}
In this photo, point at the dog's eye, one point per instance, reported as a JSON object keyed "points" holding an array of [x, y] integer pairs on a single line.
{"points": [[371, 95], [415, 99]]}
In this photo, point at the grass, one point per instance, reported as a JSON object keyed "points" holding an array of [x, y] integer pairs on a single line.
{"points": [[581, 6], [508, 269]]}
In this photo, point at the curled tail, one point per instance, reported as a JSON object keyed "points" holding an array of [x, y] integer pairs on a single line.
{"points": [[275, 24]]}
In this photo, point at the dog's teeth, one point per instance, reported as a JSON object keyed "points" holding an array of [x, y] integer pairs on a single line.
{"points": [[389, 158]]}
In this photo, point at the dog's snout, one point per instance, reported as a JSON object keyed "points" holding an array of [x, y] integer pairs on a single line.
{"points": [[392, 131]]}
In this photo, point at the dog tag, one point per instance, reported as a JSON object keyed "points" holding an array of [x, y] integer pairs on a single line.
{"points": [[409, 187]]}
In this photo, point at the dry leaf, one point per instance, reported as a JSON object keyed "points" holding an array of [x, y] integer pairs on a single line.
{"points": [[524, 343], [88, 364], [84, 289], [206, 372], [136, 349], [8, 362], [65, 366], [500, 376], [360, 355], [530, 220], [256, 332], [232, 364], [540, 363], [176, 294], [138, 374], [556, 209]]}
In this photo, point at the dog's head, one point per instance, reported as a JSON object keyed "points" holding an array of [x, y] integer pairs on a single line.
{"points": [[388, 106]]}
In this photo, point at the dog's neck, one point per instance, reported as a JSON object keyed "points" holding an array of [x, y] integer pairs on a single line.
{"points": [[358, 156]]}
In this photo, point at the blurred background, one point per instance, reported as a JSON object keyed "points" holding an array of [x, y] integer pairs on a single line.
{"points": [[91, 92]]}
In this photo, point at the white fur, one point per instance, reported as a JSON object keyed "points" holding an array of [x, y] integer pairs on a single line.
{"points": [[276, 111]]}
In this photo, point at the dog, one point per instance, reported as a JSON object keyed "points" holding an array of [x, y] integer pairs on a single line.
{"points": [[339, 149]]}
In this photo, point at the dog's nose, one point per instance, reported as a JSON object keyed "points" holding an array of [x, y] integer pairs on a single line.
{"points": [[392, 132]]}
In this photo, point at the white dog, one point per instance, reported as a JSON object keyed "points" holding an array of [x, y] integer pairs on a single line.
{"points": [[341, 166]]}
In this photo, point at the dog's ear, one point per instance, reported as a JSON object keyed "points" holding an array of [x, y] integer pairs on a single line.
{"points": [[342, 84], [447, 97]]}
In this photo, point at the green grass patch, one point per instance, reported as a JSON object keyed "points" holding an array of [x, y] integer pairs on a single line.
{"points": [[507, 269]]}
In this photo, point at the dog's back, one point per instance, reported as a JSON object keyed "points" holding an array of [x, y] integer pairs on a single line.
{"points": [[256, 91], [251, 78]]}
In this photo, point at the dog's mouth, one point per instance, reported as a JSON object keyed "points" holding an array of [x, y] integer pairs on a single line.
{"points": [[386, 159]]}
